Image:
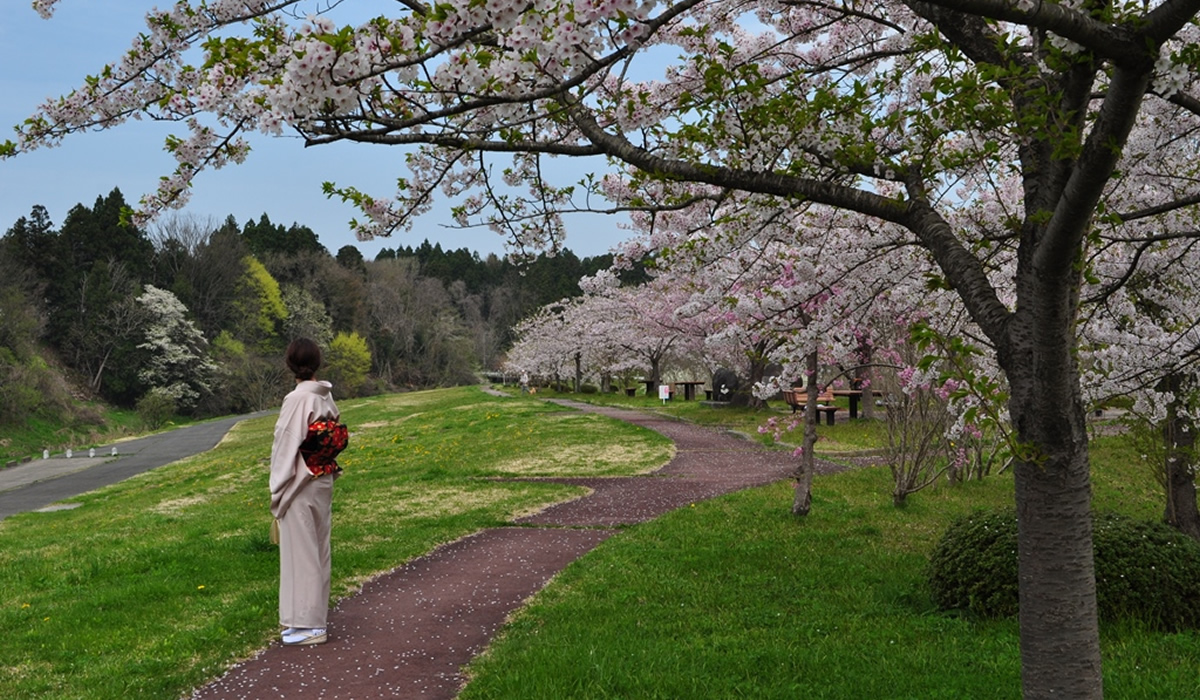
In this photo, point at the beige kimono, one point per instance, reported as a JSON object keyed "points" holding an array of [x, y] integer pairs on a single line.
{"points": [[302, 504]]}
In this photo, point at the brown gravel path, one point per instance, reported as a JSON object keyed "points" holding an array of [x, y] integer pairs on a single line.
{"points": [[408, 632]]}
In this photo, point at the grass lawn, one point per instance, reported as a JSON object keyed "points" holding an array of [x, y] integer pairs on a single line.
{"points": [[837, 442], [157, 584], [735, 598]]}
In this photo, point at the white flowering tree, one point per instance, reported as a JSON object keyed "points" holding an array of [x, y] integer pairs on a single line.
{"points": [[306, 316], [644, 322], [545, 346], [604, 342], [1142, 342], [177, 363], [898, 110], [609, 330]]}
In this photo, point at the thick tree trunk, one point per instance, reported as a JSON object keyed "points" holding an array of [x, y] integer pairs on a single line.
{"points": [[578, 372], [1060, 655], [1179, 438], [1181, 512], [1060, 648], [802, 493]]}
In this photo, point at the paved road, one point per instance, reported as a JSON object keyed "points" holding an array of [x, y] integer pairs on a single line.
{"points": [[39, 483]]}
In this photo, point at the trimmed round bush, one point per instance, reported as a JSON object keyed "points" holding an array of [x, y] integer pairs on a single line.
{"points": [[973, 568], [1145, 571]]}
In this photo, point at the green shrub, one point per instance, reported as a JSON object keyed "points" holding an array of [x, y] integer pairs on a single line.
{"points": [[1145, 571], [974, 565], [589, 389], [155, 408]]}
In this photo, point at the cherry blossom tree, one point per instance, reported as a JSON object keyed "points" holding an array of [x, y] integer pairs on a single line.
{"points": [[828, 302], [645, 322], [1141, 342], [546, 345], [898, 110], [609, 330], [759, 298]]}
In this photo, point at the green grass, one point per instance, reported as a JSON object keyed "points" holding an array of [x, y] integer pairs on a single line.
{"points": [[734, 598], [836, 441], [157, 584]]}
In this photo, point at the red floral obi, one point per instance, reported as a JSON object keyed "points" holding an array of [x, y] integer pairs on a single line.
{"points": [[325, 440]]}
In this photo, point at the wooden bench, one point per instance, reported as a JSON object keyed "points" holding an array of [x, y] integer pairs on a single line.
{"points": [[797, 399]]}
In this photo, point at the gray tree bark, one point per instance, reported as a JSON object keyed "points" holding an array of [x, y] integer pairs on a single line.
{"points": [[1179, 467], [802, 493]]}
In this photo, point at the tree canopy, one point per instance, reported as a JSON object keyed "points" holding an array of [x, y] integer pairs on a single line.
{"points": [[1033, 150]]}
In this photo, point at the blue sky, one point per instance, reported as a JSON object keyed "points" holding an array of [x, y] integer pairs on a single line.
{"points": [[47, 58]]}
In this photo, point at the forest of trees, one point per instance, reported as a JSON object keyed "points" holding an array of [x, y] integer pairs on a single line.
{"points": [[197, 314]]}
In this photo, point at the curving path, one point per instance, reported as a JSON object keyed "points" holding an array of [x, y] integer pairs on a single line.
{"points": [[408, 632]]}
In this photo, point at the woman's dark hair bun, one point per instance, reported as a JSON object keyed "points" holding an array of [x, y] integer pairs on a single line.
{"points": [[303, 358]]}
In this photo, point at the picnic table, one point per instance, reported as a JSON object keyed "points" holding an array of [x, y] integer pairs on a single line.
{"points": [[855, 395], [689, 389]]}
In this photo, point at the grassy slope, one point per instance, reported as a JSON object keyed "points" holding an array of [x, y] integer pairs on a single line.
{"points": [[97, 425], [156, 584]]}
